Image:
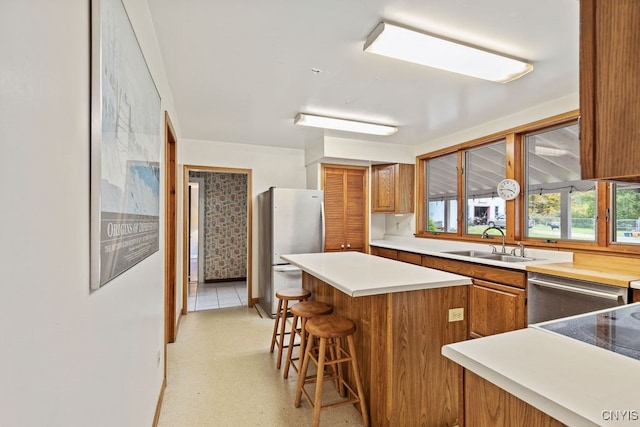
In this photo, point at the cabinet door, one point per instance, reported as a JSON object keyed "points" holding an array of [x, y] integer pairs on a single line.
{"points": [[383, 182], [392, 188], [345, 191], [410, 257], [495, 308], [609, 87], [356, 210], [334, 207], [384, 252]]}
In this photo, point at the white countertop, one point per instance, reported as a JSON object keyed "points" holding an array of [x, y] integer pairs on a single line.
{"points": [[574, 382], [635, 284], [357, 274], [438, 247]]}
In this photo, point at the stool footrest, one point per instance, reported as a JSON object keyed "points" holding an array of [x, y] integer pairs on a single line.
{"points": [[325, 349], [333, 404]]}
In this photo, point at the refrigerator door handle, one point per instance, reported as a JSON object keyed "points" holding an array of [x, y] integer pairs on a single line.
{"points": [[287, 268], [323, 226]]}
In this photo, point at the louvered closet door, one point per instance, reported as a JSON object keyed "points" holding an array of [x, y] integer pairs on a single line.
{"points": [[355, 210], [334, 207], [345, 208]]}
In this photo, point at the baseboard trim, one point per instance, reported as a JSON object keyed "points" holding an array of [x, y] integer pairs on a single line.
{"points": [[156, 417], [230, 279]]}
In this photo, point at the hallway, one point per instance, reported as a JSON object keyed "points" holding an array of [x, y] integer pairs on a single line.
{"points": [[221, 373]]}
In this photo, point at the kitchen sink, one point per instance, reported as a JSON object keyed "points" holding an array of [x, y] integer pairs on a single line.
{"points": [[508, 258], [489, 255], [481, 254]]}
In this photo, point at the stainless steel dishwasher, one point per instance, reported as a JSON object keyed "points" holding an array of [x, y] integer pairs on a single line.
{"points": [[552, 297]]}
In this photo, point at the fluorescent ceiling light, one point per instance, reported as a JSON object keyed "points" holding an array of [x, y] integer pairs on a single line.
{"points": [[400, 43], [341, 124]]}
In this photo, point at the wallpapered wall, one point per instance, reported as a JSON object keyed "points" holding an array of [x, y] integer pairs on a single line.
{"points": [[225, 225]]}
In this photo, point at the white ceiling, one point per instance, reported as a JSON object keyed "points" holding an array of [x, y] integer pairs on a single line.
{"points": [[240, 70]]}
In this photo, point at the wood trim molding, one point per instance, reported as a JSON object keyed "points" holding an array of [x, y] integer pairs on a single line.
{"points": [[156, 416], [170, 238], [185, 224]]}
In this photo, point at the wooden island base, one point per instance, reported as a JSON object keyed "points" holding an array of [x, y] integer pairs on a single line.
{"points": [[399, 338]]}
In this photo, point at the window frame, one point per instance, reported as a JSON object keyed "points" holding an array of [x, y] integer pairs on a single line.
{"points": [[425, 198], [514, 209], [464, 156]]}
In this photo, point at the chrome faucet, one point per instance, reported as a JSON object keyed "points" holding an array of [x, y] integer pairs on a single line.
{"points": [[486, 236], [520, 247]]}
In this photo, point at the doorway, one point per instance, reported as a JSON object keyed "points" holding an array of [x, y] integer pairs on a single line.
{"points": [[217, 238], [196, 227]]}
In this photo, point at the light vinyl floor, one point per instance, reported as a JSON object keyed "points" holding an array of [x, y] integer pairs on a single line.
{"points": [[220, 373]]}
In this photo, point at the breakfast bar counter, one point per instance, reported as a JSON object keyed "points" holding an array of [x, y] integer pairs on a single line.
{"points": [[404, 315], [357, 274]]}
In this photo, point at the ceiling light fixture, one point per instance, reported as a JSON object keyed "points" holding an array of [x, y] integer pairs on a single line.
{"points": [[341, 124], [408, 45]]}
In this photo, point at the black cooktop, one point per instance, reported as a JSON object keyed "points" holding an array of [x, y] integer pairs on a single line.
{"points": [[616, 329]]}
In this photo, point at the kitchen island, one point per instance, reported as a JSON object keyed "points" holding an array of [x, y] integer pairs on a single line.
{"points": [[540, 378], [404, 315]]}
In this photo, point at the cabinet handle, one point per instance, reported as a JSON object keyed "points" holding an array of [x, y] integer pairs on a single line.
{"points": [[341, 246], [348, 245]]}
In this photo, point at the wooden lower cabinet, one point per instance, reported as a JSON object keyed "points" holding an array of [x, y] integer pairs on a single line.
{"points": [[495, 308], [384, 252], [487, 405], [409, 257], [497, 298], [635, 296]]}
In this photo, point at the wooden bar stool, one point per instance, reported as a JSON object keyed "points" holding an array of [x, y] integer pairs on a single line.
{"points": [[329, 330], [302, 311], [279, 326]]}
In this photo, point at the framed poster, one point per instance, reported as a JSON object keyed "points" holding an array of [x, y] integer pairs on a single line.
{"points": [[125, 147]]}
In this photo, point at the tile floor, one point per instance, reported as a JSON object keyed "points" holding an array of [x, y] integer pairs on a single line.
{"points": [[211, 296]]}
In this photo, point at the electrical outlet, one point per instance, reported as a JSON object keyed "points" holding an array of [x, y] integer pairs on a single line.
{"points": [[456, 314]]}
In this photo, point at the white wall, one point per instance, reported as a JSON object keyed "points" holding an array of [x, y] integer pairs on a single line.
{"points": [[69, 357], [358, 150], [270, 167], [518, 118]]}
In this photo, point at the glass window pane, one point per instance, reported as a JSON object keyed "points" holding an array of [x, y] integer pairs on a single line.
{"points": [[484, 168], [626, 206], [442, 193], [560, 206]]}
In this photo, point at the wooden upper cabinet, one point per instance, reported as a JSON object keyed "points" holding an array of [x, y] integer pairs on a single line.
{"points": [[610, 89], [345, 202], [392, 188]]}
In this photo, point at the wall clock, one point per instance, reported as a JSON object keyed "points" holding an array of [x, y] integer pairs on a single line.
{"points": [[508, 189]]}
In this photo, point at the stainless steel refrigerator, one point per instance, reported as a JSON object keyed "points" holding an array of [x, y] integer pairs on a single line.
{"points": [[290, 222]]}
